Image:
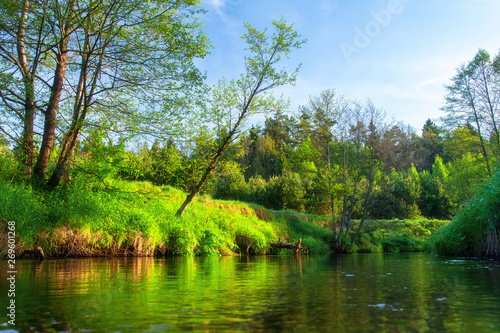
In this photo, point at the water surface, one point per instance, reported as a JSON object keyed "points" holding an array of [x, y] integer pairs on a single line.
{"points": [[353, 293]]}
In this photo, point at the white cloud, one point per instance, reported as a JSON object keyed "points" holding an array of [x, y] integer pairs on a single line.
{"points": [[217, 5]]}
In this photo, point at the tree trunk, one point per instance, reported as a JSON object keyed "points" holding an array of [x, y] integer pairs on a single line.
{"points": [[335, 235], [365, 209], [491, 108], [476, 120], [483, 146], [344, 204], [332, 203], [202, 181], [80, 108], [27, 143], [353, 197], [212, 165], [351, 207], [65, 158], [222, 149], [50, 121]]}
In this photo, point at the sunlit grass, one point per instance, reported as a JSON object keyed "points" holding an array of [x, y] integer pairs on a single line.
{"points": [[92, 218], [137, 218]]}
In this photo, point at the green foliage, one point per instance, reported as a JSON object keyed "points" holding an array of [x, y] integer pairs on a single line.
{"points": [[435, 202], [466, 174], [397, 235], [302, 160], [284, 192], [402, 243], [475, 230], [439, 170], [292, 191], [20, 204], [230, 183], [310, 229], [396, 197], [263, 159]]}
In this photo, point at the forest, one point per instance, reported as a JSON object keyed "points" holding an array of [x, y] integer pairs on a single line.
{"points": [[101, 104]]}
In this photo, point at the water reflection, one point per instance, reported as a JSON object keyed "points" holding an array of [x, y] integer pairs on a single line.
{"points": [[371, 292]]}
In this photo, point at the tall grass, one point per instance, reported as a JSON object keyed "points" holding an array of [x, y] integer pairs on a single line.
{"points": [[137, 218], [475, 230]]}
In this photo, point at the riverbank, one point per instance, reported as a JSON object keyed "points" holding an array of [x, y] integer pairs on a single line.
{"points": [[475, 230], [124, 218]]}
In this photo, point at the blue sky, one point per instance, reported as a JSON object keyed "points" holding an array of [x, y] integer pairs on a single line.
{"points": [[398, 53]]}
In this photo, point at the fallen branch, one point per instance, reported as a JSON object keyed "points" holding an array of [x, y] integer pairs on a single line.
{"points": [[297, 248]]}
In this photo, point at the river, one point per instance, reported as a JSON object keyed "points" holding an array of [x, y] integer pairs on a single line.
{"points": [[351, 293]]}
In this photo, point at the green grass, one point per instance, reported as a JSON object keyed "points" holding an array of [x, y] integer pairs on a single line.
{"points": [[395, 235], [475, 230], [137, 218]]}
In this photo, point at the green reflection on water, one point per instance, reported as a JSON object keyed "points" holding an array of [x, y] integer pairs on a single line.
{"points": [[370, 292]]}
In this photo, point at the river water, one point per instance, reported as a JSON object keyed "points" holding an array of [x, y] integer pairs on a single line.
{"points": [[352, 293]]}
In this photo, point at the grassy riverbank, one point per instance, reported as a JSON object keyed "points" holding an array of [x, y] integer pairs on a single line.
{"points": [[475, 230], [137, 218]]}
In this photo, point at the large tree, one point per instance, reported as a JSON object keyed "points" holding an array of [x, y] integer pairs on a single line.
{"points": [[124, 64], [233, 102], [474, 99]]}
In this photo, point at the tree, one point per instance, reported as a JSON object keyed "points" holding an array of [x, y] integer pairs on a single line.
{"points": [[122, 65], [473, 99], [398, 147], [466, 173], [366, 128], [375, 129], [429, 145], [19, 68], [324, 111], [435, 199], [282, 129], [262, 158], [240, 99], [304, 159], [318, 120], [396, 197], [488, 87]]}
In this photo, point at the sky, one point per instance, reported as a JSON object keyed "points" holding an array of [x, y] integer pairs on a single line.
{"points": [[398, 53]]}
